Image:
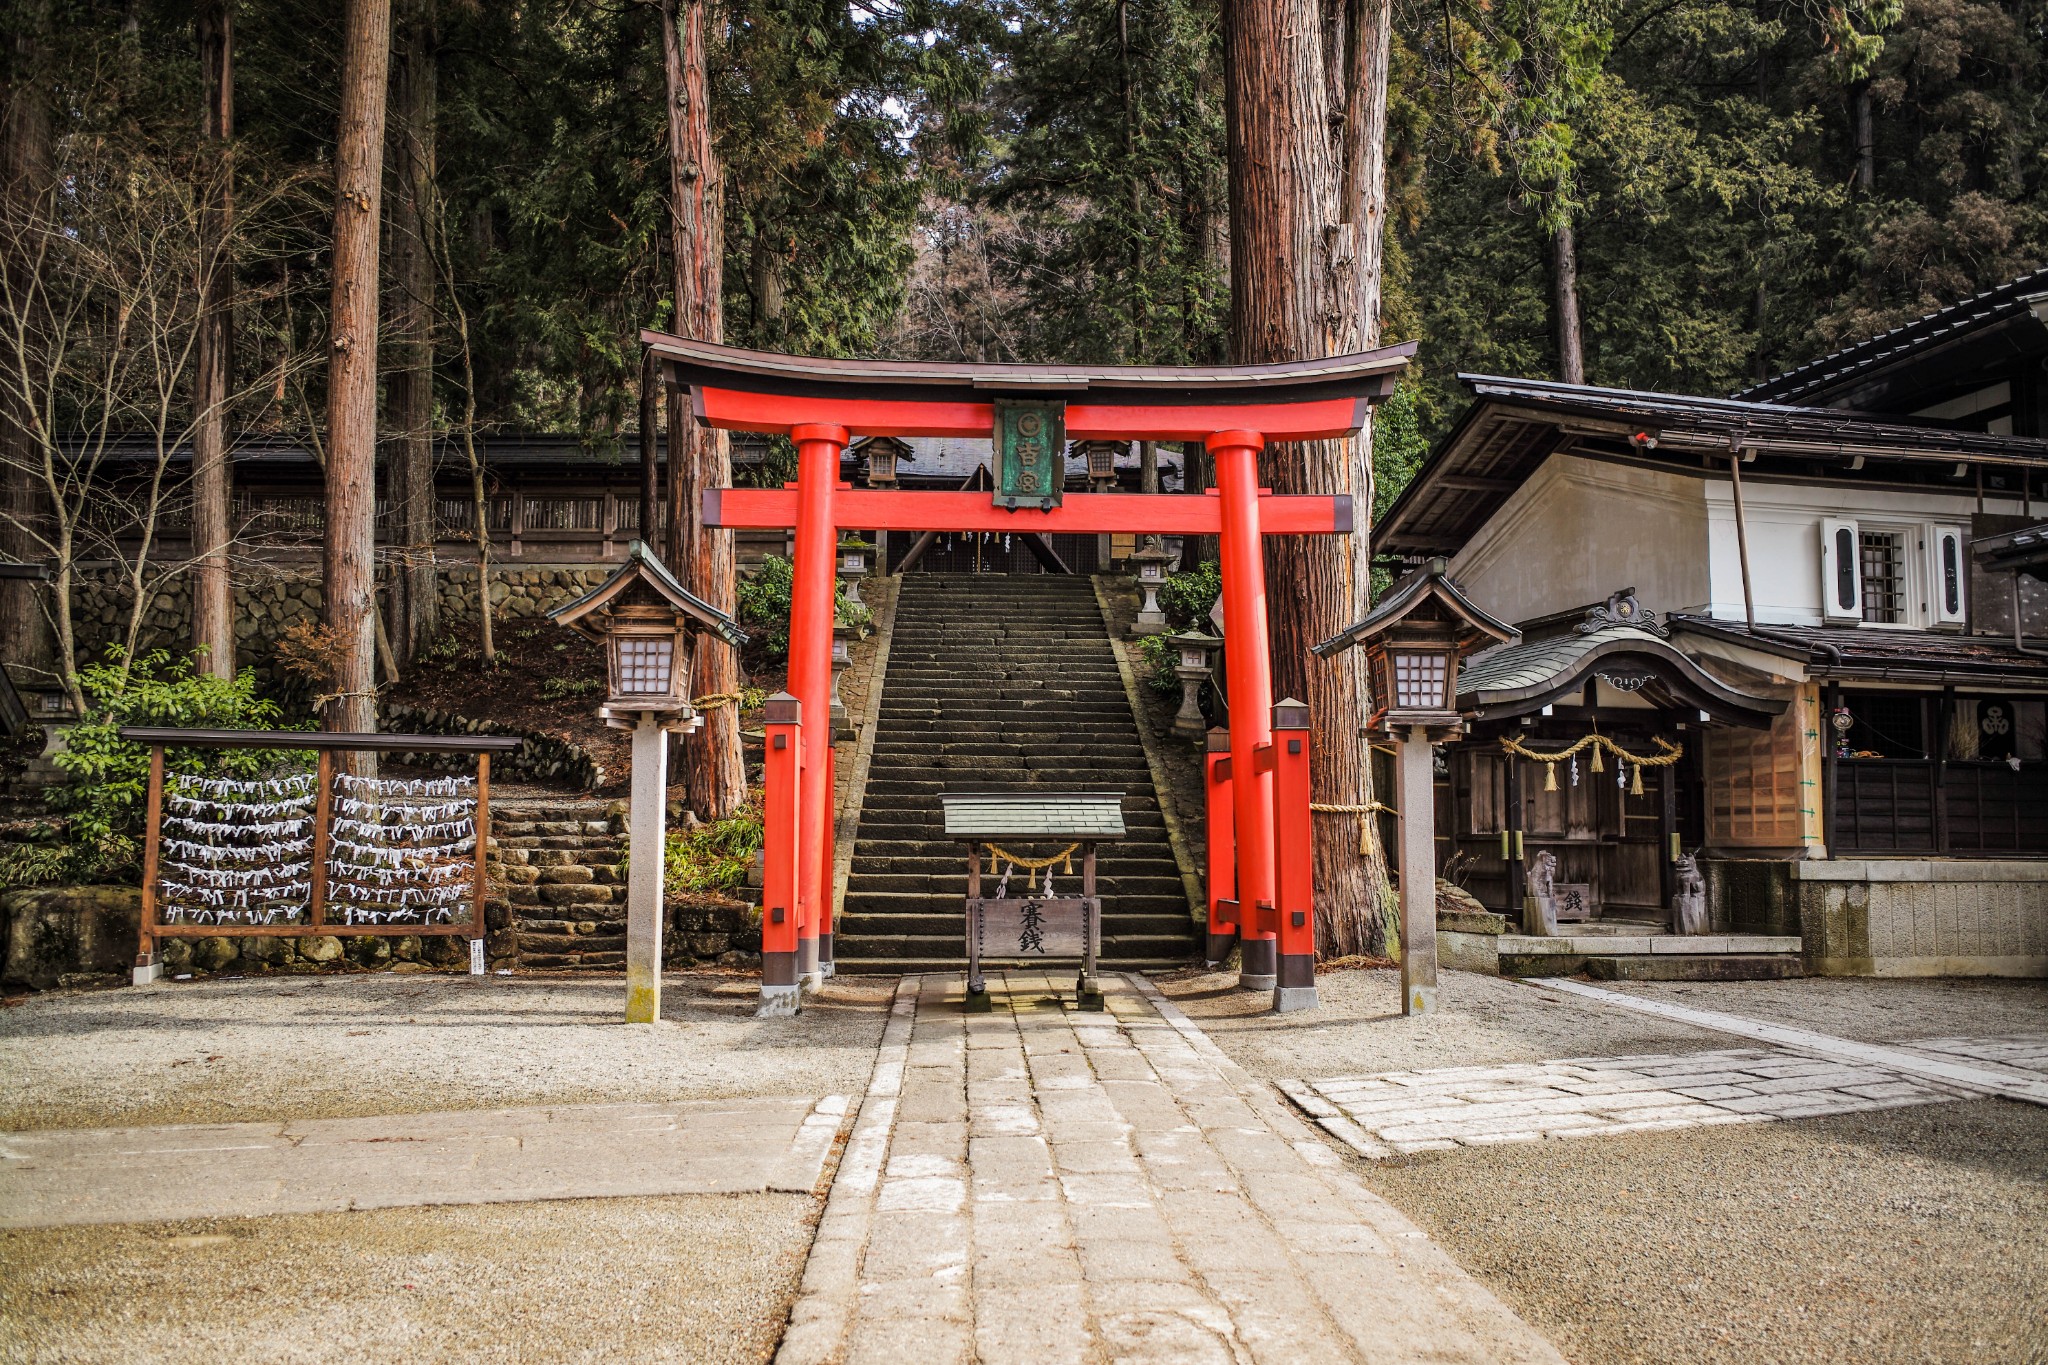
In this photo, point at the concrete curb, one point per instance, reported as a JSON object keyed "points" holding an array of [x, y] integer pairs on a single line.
{"points": [[1988, 1078], [819, 1319]]}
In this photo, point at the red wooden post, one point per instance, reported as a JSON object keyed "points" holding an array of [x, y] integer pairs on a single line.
{"points": [[1251, 699], [781, 908], [818, 448], [1294, 871], [323, 808], [147, 968], [1223, 920], [827, 865], [478, 928]]}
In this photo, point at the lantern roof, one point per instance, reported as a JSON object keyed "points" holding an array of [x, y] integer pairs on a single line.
{"points": [[1150, 551], [1431, 595], [642, 571]]}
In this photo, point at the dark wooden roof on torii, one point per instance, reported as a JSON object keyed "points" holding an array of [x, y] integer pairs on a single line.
{"points": [[763, 391]]}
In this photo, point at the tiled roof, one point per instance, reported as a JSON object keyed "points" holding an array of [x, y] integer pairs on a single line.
{"points": [[1026, 815], [1979, 310], [1509, 668], [1894, 655]]}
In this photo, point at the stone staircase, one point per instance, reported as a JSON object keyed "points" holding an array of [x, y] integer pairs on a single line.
{"points": [[558, 864], [1000, 682]]}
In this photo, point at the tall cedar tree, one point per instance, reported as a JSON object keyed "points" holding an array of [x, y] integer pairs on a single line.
{"points": [[713, 767], [350, 581], [409, 328], [1296, 221], [213, 592]]}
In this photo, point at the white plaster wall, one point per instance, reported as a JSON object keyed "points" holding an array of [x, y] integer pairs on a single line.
{"points": [[1580, 529], [1784, 523]]}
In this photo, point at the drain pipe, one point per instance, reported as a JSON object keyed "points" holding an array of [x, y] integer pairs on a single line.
{"points": [[1833, 652]]}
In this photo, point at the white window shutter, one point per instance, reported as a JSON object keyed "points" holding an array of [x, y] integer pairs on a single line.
{"points": [[1948, 576], [1841, 571]]}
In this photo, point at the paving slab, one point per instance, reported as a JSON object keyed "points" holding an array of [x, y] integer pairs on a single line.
{"points": [[60, 1177], [1118, 1189]]}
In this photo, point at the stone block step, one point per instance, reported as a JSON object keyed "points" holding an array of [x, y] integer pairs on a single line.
{"points": [[587, 961], [1691, 967], [954, 883], [938, 926], [951, 948], [877, 906]]}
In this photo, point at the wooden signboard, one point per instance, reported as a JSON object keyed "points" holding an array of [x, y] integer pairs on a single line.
{"points": [[1031, 454], [1574, 902], [1029, 930]]}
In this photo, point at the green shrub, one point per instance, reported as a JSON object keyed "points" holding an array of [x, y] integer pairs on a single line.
{"points": [[764, 605], [109, 776], [560, 689], [713, 859], [1156, 662], [1187, 597]]}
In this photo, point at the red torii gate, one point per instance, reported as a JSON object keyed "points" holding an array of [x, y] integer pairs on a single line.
{"points": [[1233, 410]]}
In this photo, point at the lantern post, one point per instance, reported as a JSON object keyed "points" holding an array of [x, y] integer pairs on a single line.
{"points": [[1413, 641], [647, 622]]}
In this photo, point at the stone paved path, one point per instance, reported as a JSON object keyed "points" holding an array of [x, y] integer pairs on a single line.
{"points": [[245, 1170], [1039, 1185], [1395, 1113]]}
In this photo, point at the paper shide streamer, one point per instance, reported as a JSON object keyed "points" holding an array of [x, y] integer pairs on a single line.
{"points": [[240, 852]]}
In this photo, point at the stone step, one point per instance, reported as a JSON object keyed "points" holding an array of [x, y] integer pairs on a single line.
{"points": [[940, 925], [950, 950], [588, 961], [1696, 967], [880, 905], [954, 883]]}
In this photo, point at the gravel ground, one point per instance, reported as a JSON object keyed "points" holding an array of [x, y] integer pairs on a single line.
{"points": [[700, 1279], [1903, 1235], [1914, 1234], [338, 1047]]}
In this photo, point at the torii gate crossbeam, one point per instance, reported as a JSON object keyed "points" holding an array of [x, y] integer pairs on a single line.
{"points": [[1233, 410]]}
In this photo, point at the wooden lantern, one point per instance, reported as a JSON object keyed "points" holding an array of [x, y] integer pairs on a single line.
{"points": [[647, 622], [1413, 640]]}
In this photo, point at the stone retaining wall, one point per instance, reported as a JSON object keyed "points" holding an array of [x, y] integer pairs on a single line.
{"points": [[270, 595], [1923, 917]]}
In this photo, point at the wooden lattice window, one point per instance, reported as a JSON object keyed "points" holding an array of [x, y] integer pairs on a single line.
{"points": [[1882, 555], [1753, 789]]}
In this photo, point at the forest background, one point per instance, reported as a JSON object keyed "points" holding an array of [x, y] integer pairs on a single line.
{"points": [[1742, 185], [204, 200]]}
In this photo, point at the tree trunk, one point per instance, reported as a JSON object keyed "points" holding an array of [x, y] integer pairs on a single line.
{"points": [[213, 592], [697, 455], [650, 454], [350, 559], [25, 638], [1564, 282], [1295, 295], [409, 385], [1866, 139]]}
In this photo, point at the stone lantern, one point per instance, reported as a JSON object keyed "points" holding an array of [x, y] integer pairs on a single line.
{"points": [[842, 659], [1149, 561], [648, 623], [1413, 641], [1194, 669], [853, 566]]}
